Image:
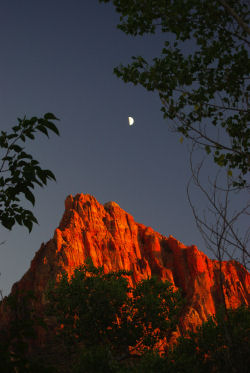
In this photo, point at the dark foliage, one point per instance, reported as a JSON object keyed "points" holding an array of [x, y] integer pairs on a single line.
{"points": [[19, 172], [100, 315], [202, 74]]}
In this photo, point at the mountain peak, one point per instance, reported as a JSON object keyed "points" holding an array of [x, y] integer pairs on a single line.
{"points": [[111, 237], [111, 205]]}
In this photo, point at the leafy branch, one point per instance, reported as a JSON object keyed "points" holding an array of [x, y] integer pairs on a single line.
{"points": [[20, 172], [202, 73]]}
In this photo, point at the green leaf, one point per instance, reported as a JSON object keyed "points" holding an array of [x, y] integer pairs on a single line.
{"points": [[50, 175], [19, 219], [42, 175], [43, 129], [23, 155], [34, 219], [49, 116], [12, 136], [52, 127], [7, 222], [29, 196], [30, 135], [208, 149], [33, 120], [16, 128], [16, 148], [28, 224]]}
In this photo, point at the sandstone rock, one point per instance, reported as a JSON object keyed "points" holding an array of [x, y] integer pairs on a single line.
{"points": [[112, 238]]}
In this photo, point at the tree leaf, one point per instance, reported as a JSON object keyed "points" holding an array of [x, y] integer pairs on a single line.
{"points": [[28, 224], [16, 148], [43, 129], [7, 222], [49, 116], [208, 149], [29, 196], [52, 127]]}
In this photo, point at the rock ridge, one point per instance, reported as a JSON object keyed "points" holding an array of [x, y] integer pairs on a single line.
{"points": [[111, 237]]}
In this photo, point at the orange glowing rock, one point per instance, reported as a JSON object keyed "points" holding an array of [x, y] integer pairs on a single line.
{"points": [[112, 238]]}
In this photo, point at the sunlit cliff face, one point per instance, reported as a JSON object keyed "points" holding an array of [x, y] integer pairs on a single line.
{"points": [[112, 238]]}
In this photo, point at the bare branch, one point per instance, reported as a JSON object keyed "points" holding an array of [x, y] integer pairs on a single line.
{"points": [[240, 21], [217, 224]]}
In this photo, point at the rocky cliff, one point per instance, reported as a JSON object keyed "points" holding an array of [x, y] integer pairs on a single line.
{"points": [[112, 238]]}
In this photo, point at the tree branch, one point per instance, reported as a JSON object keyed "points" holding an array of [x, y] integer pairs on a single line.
{"points": [[240, 22]]}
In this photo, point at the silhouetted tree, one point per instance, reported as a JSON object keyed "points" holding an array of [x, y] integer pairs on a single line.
{"points": [[19, 172], [108, 322], [202, 74]]}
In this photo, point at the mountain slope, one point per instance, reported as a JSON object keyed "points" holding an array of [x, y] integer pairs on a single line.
{"points": [[112, 238]]}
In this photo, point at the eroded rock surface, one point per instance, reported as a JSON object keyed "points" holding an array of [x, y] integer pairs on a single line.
{"points": [[112, 238]]}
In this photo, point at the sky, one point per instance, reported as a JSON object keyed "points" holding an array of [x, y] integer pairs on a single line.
{"points": [[58, 56]]}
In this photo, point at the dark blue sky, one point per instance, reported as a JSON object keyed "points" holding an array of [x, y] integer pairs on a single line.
{"points": [[58, 56]]}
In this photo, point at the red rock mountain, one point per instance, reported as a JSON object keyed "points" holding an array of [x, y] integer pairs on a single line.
{"points": [[112, 238]]}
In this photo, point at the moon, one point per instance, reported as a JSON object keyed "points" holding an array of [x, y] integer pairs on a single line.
{"points": [[130, 121]]}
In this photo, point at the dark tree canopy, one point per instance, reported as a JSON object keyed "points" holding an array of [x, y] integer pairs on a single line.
{"points": [[210, 350], [96, 323], [202, 74], [110, 321]]}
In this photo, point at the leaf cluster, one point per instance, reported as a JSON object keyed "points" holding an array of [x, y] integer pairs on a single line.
{"points": [[206, 350], [20, 172], [99, 319], [102, 313], [220, 345]]}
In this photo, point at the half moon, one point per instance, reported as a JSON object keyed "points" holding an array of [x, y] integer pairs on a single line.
{"points": [[130, 121]]}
